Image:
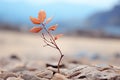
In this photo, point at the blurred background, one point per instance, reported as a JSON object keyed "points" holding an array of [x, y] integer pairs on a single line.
{"points": [[91, 29]]}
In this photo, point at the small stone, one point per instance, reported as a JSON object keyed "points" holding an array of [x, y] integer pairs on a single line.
{"points": [[44, 79], [58, 76], [79, 68], [14, 78], [5, 75], [105, 75], [45, 74], [74, 74], [30, 77]]}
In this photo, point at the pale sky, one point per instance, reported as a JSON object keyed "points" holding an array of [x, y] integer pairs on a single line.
{"points": [[61, 9], [97, 3]]}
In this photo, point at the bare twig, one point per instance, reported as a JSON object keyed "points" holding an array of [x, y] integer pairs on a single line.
{"points": [[52, 41]]}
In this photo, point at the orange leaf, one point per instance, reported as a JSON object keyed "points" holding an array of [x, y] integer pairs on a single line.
{"points": [[52, 28], [48, 20], [58, 36], [36, 29], [42, 16], [35, 20]]}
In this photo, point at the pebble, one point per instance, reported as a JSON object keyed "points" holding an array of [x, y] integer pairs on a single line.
{"points": [[58, 76], [38, 70], [14, 78], [30, 77], [5, 75], [46, 74]]}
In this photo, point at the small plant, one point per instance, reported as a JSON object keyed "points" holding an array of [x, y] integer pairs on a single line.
{"points": [[51, 41]]}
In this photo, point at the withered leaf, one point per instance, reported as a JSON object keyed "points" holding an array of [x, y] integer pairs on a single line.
{"points": [[36, 29], [35, 20], [48, 20], [58, 36], [42, 16], [52, 28]]}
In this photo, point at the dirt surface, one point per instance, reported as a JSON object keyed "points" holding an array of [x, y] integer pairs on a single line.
{"points": [[14, 68], [22, 57], [28, 44]]}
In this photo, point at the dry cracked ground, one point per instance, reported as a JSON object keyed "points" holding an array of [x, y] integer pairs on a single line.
{"points": [[14, 68]]}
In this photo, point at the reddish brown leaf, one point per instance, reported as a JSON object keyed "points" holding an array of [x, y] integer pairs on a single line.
{"points": [[48, 20], [58, 36], [36, 29], [35, 20], [52, 28], [42, 16]]}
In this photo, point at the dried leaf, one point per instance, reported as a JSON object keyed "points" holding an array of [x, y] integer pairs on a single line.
{"points": [[35, 20], [58, 36], [42, 16], [36, 29], [52, 28], [48, 20]]}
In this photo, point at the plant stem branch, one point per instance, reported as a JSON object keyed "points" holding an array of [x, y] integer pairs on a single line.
{"points": [[54, 43]]}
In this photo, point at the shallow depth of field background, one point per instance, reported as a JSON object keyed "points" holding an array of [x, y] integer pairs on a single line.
{"points": [[91, 29]]}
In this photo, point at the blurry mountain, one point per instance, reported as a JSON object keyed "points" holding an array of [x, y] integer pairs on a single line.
{"points": [[103, 19], [102, 24]]}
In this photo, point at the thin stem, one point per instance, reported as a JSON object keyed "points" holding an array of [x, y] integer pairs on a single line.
{"points": [[43, 36], [54, 43], [61, 56], [49, 45], [49, 34]]}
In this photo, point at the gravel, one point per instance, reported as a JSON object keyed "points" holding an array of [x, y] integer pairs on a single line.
{"points": [[14, 68]]}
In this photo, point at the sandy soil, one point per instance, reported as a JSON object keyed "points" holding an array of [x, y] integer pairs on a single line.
{"points": [[28, 44]]}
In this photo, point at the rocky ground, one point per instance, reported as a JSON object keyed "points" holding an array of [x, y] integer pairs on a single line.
{"points": [[14, 68], [85, 58]]}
